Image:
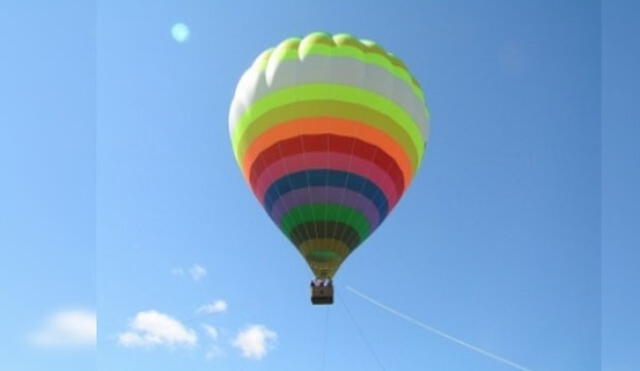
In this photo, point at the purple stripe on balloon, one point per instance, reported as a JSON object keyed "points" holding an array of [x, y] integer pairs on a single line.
{"points": [[335, 195]]}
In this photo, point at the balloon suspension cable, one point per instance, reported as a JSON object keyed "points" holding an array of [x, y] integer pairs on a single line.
{"points": [[361, 333], [326, 337], [436, 331]]}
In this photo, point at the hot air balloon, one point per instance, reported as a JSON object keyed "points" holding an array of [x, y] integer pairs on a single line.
{"points": [[328, 131]]}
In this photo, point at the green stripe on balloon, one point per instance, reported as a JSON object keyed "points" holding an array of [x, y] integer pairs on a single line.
{"points": [[323, 255], [348, 94], [328, 70], [319, 108], [329, 212]]}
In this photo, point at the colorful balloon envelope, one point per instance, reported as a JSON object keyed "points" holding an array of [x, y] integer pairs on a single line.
{"points": [[329, 131]]}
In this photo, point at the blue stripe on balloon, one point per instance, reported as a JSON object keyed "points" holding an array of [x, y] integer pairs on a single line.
{"points": [[323, 178]]}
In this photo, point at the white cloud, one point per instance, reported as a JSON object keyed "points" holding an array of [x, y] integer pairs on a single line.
{"points": [[255, 341], [152, 328], [197, 272], [67, 329], [217, 306], [214, 351], [211, 331]]}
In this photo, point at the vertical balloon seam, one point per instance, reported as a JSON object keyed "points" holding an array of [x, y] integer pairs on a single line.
{"points": [[361, 225], [407, 172], [268, 122], [318, 91], [339, 238], [255, 130], [287, 225], [387, 170], [312, 230], [308, 189], [328, 211], [301, 215], [314, 70], [376, 174], [329, 195], [393, 174], [369, 52], [341, 179], [311, 92], [260, 199], [316, 126], [365, 176], [364, 236], [347, 52], [307, 229], [244, 141]]}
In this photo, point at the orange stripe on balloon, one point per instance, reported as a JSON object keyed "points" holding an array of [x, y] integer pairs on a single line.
{"points": [[328, 125]]}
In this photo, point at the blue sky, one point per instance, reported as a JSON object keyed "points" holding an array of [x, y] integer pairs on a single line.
{"points": [[620, 184], [47, 193], [125, 199]]}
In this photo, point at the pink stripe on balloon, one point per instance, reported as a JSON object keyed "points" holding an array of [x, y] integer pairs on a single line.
{"points": [[327, 160], [333, 195]]}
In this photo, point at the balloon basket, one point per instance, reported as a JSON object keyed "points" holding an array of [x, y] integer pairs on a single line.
{"points": [[321, 294]]}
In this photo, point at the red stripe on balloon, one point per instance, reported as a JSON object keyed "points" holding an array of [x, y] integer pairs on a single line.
{"points": [[327, 160], [327, 143]]}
